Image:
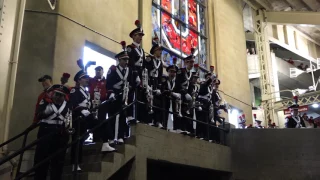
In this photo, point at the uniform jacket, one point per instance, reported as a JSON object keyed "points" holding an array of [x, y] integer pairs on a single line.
{"points": [[79, 99], [44, 95], [291, 123], [114, 82], [135, 53], [169, 86], [183, 80], [155, 71], [98, 86], [45, 110]]}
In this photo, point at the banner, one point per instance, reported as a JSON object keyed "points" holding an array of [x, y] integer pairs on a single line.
{"points": [[301, 109]]}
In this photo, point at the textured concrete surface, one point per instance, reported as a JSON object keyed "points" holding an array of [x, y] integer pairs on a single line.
{"points": [[157, 144], [231, 58], [272, 154]]}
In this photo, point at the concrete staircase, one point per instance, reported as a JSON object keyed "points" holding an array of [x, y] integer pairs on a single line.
{"points": [[101, 166]]}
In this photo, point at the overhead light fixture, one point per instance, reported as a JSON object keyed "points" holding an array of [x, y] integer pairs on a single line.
{"points": [[315, 105], [307, 25]]}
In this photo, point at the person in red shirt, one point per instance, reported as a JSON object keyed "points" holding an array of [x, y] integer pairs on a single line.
{"points": [[98, 94], [46, 82]]}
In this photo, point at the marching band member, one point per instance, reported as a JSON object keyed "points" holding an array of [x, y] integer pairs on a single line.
{"points": [[46, 82], [217, 106], [294, 121], [183, 79], [80, 99], [119, 81], [257, 122], [98, 94], [242, 122], [154, 68], [193, 90], [204, 98], [170, 91], [136, 59], [52, 114]]}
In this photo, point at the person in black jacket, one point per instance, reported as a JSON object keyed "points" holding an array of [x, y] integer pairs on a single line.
{"points": [[83, 117], [204, 97], [52, 114], [154, 66], [294, 121], [136, 64], [120, 80], [171, 95], [184, 76]]}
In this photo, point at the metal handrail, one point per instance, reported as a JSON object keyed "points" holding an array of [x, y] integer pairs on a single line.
{"points": [[22, 150], [25, 132], [70, 144], [171, 112]]}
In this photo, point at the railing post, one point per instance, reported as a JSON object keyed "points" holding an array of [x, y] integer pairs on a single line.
{"points": [[74, 168], [21, 155]]}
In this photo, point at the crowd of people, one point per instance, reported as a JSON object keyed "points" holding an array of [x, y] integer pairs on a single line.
{"points": [[170, 101]]}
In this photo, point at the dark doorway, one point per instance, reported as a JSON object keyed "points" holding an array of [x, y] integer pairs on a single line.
{"points": [[163, 170]]}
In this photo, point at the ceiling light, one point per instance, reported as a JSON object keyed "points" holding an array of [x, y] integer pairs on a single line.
{"points": [[315, 105], [307, 25]]}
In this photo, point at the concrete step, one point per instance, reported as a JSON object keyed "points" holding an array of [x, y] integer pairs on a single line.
{"points": [[101, 166]]}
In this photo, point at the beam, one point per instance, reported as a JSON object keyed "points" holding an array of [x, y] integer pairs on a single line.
{"points": [[311, 4], [252, 5], [293, 17], [265, 4]]}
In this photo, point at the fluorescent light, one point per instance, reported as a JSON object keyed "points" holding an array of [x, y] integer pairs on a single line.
{"points": [[307, 25], [235, 111], [315, 105]]}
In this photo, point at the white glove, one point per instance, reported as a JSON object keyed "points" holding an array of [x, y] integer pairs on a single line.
{"points": [[200, 108], [188, 97], [85, 112], [176, 95], [157, 91], [112, 96]]}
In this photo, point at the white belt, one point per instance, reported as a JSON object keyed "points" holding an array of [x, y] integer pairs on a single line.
{"points": [[59, 122]]}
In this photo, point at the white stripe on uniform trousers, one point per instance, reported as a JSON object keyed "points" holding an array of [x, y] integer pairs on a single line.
{"points": [[116, 128]]}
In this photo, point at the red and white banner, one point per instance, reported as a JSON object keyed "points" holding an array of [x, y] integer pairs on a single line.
{"points": [[301, 109]]}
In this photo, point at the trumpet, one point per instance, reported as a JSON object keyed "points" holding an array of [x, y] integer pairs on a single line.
{"points": [[211, 109], [178, 107], [150, 99], [145, 78], [68, 123], [125, 93], [96, 103]]}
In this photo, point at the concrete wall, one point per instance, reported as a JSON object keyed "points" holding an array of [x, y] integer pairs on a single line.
{"points": [[36, 58], [8, 23], [231, 58], [272, 154], [157, 144]]}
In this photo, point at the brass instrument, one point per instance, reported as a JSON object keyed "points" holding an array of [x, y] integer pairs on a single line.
{"points": [[178, 106], [150, 99], [145, 78], [68, 123], [96, 103], [211, 113], [145, 85], [125, 93]]}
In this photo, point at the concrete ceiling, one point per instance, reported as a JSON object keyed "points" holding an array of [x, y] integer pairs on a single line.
{"points": [[292, 5]]}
